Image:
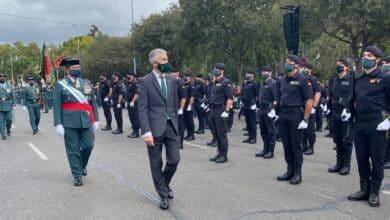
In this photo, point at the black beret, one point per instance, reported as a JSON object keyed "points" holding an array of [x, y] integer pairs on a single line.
{"points": [[117, 74], [199, 75], [308, 65], [207, 78], [220, 66], [345, 61], [131, 73], [174, 70], [386, 59], [30, 77], [266, 68], [69, 62], [188, 73], [374, 50], [104, 74], [250, 71], [294, 58], [2, 75]]}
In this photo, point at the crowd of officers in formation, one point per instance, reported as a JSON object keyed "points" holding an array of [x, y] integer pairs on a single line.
{"points": [[288, 108]]}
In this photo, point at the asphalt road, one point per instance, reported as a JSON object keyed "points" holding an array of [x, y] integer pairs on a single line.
{"points": [[36, 183]]}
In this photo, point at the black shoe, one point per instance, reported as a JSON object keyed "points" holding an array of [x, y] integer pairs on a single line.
{"points": [[117, 131], [170, 194], [328, 135], [222, 159], [252, 141], [133, 135], [213, 159], [296, 179], [373, 199], [346, 167], [364, 192], [200, 132], [46, 112], [229, 130], [164, 204], [35, 131], [107, 128], [9, 133], [309, 151], [260, 154], [336, 168], [3, 137], [85, 172], [189, 138], [246, 140], [268, 155], [319, 130], [287, 175], [210, 143], [246, 134], [245, 129], [181, 145], [77, 181], [279, 139]]}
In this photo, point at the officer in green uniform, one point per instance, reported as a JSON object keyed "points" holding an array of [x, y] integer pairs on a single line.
{"points": [[31, 96], [75, 117], [7, 102]]}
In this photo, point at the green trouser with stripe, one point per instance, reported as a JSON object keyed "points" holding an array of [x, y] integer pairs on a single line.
{"points": [[5, 122], [34, 113], [78, 144]]}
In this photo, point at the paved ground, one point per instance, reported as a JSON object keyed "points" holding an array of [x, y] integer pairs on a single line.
{"points": [[119, 185]]}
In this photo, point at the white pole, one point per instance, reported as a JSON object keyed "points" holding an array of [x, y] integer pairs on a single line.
{"points": [[12, 70], [132, 23]]}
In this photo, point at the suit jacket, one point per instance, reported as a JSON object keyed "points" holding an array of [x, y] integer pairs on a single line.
{"points": [[7, 97], [153, 109], [73, 119]]}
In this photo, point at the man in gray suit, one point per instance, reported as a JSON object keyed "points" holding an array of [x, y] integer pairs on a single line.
{"points": [[158, 113]]}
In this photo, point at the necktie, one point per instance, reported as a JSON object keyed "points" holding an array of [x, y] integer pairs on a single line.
{"points": [[163, 86]]}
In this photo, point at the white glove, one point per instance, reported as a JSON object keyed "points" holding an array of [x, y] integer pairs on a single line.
{"points": [[322, 106], [302, 125], [118, 106], [224, 114], [203, 106], [13, 107], [313, 110], [272, 114], [60, 130], [207, 109], [180, 112], [384, 125], [327, 112], [189, 108], [95, 126], [345, 116], [106, 99], [325, 109], [131, 104], [126, 104], [24, 108], [253, 107]]}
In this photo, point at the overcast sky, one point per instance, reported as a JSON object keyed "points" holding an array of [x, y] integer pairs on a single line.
{"points": [[111, 16]]}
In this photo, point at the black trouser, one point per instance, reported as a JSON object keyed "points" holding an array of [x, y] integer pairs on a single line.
{"points": [[288, 125], [309, 134], [230, 118], [250, 119], [201, 116], [387, 157], [118, 117], [370, 144], [343, 147], [162, 178], [107, 112], [133, 116], [219, 127], [267, 127], [189, 122], [318, 119], [181, 128]]}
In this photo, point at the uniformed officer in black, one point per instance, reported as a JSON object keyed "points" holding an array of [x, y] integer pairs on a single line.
{"points": [[296, 101], [199, 103], [105, 97], [249, 94], [309, 134], [131, 99], [209, 86], [386, 69], [372, 110], [221, 102], [320, 111], [340, 98], [266, 103], [182, 95], [117, 101], [188, 108]]}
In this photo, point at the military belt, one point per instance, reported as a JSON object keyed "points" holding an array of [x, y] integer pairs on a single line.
{"points": [[5, 99]]}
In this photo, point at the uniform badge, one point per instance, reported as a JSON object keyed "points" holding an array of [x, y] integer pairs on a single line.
{"points": [[345, 83], [37, 90], [309, 84], [294, 83], [8, 90], [218, 84], [87, 89], [373, 81]]}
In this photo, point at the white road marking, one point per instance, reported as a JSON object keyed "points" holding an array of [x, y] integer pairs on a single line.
{"points": [[324, 196], [386, 192], [198, 146], [37, 151]]}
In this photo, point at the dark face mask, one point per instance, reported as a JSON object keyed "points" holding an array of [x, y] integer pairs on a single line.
{"points": [[215, 73], [368, 64], [2, 80], [289, 67], [339, 69], [164, 68], [31, 83], [76, 73]]}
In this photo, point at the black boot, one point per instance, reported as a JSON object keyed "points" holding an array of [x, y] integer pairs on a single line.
{"points": [[287, 175], [270, 152], [252, 141], [364, 192], [386, 165], [77, 181], [310, 149], [107, 128], [261, 153], [345, 167], [213, 159], [190, 138], [297, 178], [336, 168], [135, 134], [246, 140], [373, 199], [181, 144]]}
